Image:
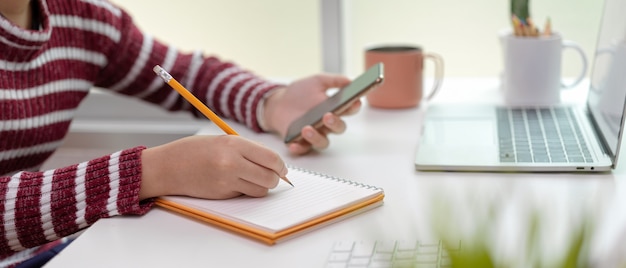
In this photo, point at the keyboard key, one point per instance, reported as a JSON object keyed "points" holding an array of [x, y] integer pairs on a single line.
{"points": [[363, 248], [336, 265], [383, 256], [408, 264], [379, 264], [343, 246], [339, 257], [405, 255], [429, 248], [427, 258], [359, 261], [403, 245], [385, 246]]}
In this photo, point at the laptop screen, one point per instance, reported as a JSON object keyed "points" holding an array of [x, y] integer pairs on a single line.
{"points": [[607, 93]]}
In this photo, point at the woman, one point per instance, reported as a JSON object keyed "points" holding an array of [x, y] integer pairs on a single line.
{"points": [[52, 52]]}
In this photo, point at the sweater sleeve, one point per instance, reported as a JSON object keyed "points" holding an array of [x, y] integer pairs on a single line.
{"points": [[228, 90], [44, 206]]}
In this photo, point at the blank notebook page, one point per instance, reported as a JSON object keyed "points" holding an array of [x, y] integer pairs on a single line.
{"points": [[285, 206]]}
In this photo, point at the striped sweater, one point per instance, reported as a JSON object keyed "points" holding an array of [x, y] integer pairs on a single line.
{"points": [[44, 76]]}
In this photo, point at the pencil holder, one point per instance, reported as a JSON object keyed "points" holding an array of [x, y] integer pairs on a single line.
{"points": [[532, 68]]}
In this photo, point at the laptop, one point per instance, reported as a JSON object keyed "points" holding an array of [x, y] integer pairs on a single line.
{"points": [[488, 138]]}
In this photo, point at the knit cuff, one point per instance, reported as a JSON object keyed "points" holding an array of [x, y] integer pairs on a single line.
{"points": [[258, 121], [130, 183]]}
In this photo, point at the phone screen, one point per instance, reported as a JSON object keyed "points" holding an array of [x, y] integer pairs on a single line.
{"points": [[336, 103]]}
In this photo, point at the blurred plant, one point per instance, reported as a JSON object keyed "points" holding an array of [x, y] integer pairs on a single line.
{"points": [[523, 24], [478, 253], [479, 249], [519, 8]]}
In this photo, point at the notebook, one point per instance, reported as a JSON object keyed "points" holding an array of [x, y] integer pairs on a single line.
{"points": [[489, 138], [315, 201]]}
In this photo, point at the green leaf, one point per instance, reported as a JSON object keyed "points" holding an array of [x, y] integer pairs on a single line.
{"points": [[520, 9], [575, 256], [471, 256]]}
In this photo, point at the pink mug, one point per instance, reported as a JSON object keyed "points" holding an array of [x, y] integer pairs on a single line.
{"points": [[403, 85]]}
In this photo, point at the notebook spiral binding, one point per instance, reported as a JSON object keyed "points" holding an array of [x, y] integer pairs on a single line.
{"points": [[334, 178]]}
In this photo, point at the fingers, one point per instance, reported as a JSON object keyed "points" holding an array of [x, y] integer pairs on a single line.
{"points": [[251, 189], [333, 80], [254, 181], [354, 108], [299, 148], [318, 139], [265, 157], [247, 187], [333, 124], [260, 156], [259, 174]]}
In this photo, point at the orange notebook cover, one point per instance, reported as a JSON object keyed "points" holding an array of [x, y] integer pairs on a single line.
{"points": [[315, 201]]}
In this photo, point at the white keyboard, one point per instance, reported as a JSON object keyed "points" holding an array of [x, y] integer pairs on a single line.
{"points": [[390, 254]]}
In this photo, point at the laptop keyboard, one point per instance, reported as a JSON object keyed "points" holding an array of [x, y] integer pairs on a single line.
{"points": [[392, 254], [540, 135]]}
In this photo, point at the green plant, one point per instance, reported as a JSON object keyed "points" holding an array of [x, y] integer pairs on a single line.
{"points": [[519, 8], [480, 236], [478, 253]]}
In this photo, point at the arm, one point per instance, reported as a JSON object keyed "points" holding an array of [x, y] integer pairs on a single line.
{"points": [[43, 206], [227, 89]]}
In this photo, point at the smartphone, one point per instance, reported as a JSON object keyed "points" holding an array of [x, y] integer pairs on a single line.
{"points": [[337, 103]]}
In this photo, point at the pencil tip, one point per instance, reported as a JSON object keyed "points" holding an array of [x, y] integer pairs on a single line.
{"points": [[287, 181]]}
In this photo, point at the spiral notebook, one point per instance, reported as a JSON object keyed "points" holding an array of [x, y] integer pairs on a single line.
{"points": [[315, 201]]}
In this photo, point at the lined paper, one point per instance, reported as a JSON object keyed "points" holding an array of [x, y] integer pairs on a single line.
{"points": [[314, 195]]}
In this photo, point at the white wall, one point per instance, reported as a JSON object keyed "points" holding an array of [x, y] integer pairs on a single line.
{"points": [[281, 38], [463, 32], [273, 38]]}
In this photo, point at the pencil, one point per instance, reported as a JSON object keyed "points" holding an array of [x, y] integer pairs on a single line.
{"points": [[547, 30], [517, 26], [198, 104], [533, 31]]}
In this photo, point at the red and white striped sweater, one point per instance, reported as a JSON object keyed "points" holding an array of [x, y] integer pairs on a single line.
{"points": [[45, 74]]}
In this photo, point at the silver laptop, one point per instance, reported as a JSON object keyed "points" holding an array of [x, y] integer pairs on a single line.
{"points": [[583, 138]]}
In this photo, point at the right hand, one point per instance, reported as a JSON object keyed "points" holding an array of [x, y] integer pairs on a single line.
{"points": [[286, 104], [210, 167]]}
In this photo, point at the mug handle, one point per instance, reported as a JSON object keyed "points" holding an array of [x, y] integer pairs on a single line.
{"points": [[577, 48], [438, 60]]}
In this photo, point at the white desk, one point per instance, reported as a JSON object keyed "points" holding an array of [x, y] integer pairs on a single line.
{"points": [[378, 148]]}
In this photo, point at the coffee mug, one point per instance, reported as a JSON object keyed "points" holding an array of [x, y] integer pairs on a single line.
{"points": [[403, 72], [532, 68]]}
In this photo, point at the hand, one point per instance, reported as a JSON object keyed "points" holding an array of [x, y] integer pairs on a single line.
{"points": [[210, 167], [289, 103]]}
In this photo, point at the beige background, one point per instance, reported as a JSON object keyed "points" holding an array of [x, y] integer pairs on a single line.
{"points": [[273, 38], [281, 38], [464, 32]]}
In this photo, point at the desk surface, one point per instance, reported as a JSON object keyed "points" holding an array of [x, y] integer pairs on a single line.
{"points": [[378, 148]]}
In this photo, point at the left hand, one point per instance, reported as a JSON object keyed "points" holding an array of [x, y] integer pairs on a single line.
{"points": [[289, 103]]}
